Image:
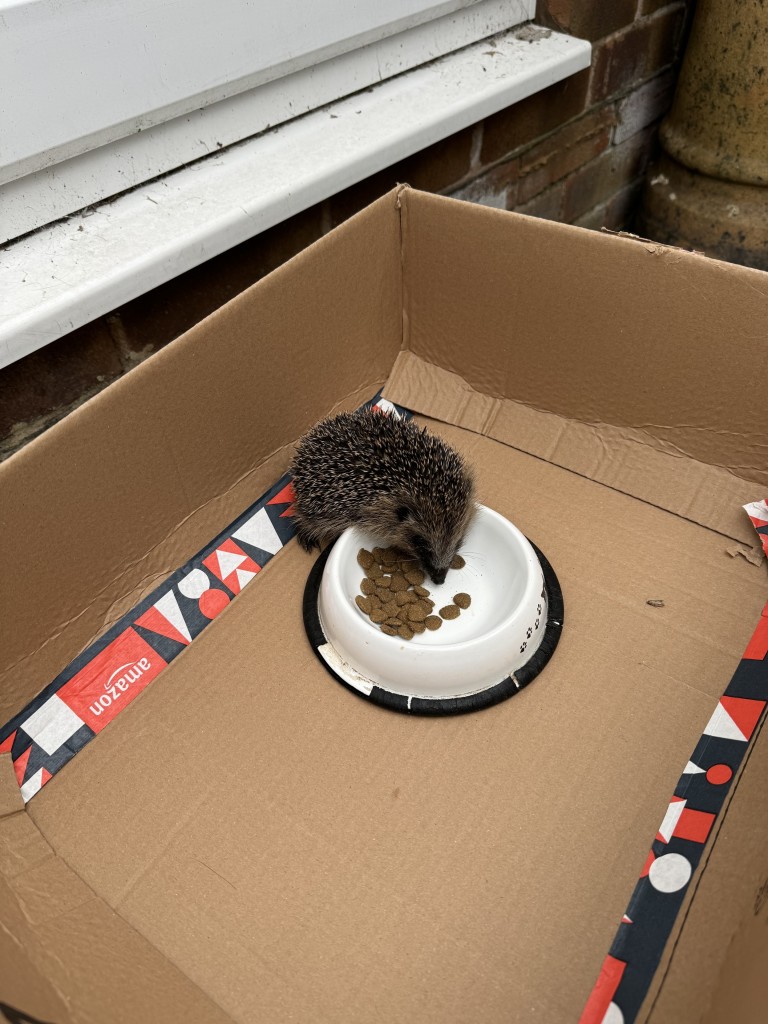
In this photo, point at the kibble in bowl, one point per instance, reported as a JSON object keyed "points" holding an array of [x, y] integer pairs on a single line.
{"points": [[493, 637], [393, 597]]}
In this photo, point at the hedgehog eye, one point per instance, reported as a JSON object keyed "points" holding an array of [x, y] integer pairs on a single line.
{"points": [[402, 513]]}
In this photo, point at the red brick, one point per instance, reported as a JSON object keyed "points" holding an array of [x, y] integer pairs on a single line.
{"points": [[435, 169], [80, 363], [591, 21], [547, 204], [636, 54], [564, 151], [524, 122], [651, 6], [593, 219], [569, 135], [615, 214], [497, 187], [646, 104], [601, 179]]}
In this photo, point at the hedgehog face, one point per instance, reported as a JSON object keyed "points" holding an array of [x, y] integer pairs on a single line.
{"points": [[435, 559], [433, 534]]}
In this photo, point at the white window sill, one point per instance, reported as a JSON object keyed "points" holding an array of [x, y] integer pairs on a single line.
{"points": [[66, 275]]}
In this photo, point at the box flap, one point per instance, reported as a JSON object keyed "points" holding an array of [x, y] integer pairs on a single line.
{"points": [[252, 842], [26, 995], [630, 461], [295, 840], [591, 327], [124, 490], [65, 957], [10, 795]]}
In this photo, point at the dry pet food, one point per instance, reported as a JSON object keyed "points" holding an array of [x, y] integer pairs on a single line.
{"points": [[415, 576], [364, 559], [393, 598]]}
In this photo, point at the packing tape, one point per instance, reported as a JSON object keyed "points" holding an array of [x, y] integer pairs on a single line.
{"points": [[111, 673], [687, 824]]}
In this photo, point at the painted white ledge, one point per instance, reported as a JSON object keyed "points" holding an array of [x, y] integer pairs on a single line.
{"points": [[66, 275], [109, 168]]}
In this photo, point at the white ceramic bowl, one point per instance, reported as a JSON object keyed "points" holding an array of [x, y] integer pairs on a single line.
{"points": [[495, 636]]}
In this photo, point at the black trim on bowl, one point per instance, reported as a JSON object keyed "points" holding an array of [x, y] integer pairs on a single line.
{"points": [[486, 698]]}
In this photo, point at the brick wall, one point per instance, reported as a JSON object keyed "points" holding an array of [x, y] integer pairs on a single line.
{"points": [[575, 152]]}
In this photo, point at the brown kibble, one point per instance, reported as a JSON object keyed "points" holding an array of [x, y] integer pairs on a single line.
{"points": [[398, 583], [364, 558], [393, 597], [417, 612], [415, 576], [457, 562]]}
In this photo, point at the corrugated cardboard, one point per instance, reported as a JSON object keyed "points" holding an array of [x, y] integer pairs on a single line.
{"points": [[250, 842]]}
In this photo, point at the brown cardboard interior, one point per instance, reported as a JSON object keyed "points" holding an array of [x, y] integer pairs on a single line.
{"points": [[591, 327], [265, 845], [128, 487]]}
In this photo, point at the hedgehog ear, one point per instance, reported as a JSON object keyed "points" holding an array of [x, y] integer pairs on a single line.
{"points": [[402, 513]]}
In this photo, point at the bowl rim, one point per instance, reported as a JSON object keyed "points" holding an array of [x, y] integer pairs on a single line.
{"points": [[484, 697], [509, 620]]}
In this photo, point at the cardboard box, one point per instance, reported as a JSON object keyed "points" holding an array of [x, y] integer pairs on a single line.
{"points": [[251, 842]]}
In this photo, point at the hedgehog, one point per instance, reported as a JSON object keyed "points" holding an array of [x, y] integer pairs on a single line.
{"points": [[390, 478]]}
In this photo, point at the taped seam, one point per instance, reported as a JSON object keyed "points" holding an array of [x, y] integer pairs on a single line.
{"points": [[691, 898], [167, 538]]}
